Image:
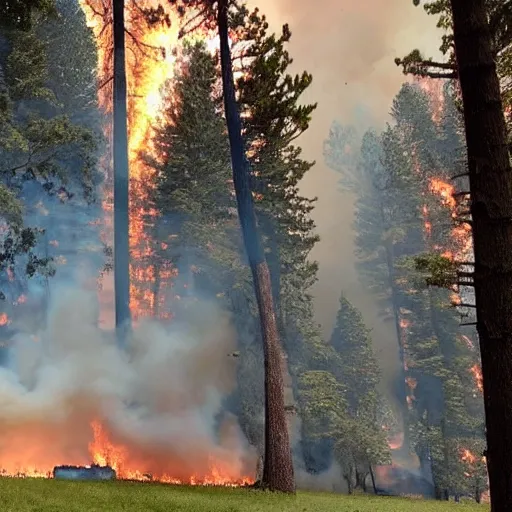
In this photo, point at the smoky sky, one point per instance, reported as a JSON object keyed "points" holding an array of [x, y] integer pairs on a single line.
{"points": [[349, 46]]}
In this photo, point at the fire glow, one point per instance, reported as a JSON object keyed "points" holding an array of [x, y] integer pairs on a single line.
{"points": [[157, 416], [171, 438], [476, 371]]}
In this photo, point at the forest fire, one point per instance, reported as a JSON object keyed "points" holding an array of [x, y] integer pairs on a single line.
{"points": [[467, 456], [104, 452], [156, 417], [434, 90], [396, 441], [445, 191], [173, 439], [151, 58]]}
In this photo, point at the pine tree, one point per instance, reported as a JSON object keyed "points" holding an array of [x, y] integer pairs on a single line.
{"points": [[18, 14], [273, 119], [359, 372], [196, 225], [401, 213], [386, 209], [40, 148]]}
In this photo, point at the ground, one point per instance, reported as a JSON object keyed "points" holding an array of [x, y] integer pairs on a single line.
{"points": [[38, 495]]}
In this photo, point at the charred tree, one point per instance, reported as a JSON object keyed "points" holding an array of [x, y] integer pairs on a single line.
{"points": [[278, 474], [490, 177], [121, 178]]}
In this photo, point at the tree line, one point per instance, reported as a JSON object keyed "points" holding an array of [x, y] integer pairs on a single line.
{"points": [[196, 229], [49, 139], [405, 232], [477, 46]]}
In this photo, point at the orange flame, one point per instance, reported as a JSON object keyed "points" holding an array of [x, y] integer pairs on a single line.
{"points": [[395, 442], [146, 75], [106, 453], [445, 190], [4, 319], [467, 456], [404, 323], [434, 90], [477, 374], [411, 382]]}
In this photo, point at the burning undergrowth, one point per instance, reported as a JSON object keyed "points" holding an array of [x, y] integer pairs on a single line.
{"points": [[154, 412]]}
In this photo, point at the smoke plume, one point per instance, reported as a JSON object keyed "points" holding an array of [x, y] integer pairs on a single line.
{"points": [[159, 403], [349, 47]]}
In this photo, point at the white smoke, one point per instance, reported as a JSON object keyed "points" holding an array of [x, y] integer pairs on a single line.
{"points": [[160, 401]]}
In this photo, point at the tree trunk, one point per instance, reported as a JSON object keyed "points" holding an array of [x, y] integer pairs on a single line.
{"points": [[348, 478], [373, 479], [490, 177], [278, 472], [403, 389], [121, 179]]}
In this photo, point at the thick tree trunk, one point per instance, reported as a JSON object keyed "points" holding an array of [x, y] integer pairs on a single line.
{"points": [[121, 179], [490, 178], [278, 472]]}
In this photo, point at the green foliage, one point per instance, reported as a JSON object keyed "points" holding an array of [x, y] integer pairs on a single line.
{"points": [[196, 224], [41, 143], [407, 244], [340, 401], [437, 270], [358, 368], [18, 14], [270, 99], [42, 138], [361, 441]]}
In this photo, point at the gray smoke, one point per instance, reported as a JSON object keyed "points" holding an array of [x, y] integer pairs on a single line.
{"points": [[349, 47], [159, 403]]}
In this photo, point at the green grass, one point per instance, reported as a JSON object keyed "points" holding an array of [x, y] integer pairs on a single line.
{"points": [[38, 495]]}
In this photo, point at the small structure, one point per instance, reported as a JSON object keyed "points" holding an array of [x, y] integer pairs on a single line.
{"points": [[93, 472]]}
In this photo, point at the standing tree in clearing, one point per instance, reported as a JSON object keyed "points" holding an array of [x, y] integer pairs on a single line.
{"points": [[121, 177], [278, 474]]}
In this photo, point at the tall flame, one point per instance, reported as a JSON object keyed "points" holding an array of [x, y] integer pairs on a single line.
{"points": [[150, 63]]}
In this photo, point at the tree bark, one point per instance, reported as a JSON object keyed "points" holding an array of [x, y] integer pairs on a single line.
{"points": [[121, 178], [490, 177], [278, 474]]}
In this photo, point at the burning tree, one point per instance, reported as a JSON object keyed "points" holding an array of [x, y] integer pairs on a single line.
{"points": [[404, 173], [195, 231], [193, 200], [490, 51]]}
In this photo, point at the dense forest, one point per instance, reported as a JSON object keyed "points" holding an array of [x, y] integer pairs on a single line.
{"points": [[411, 229], [410, 233], [52, 146]]}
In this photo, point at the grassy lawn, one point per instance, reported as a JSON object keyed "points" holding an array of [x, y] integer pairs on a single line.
{"points": [[38, 495]]}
